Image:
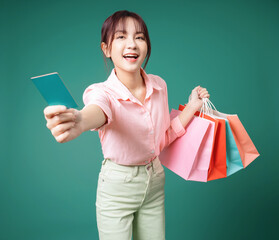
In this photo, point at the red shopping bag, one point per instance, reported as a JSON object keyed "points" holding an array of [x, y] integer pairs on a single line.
{"points": [[217, 167]]}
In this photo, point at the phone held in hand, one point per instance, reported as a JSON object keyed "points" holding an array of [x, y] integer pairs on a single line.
{"points": [[54, 90]]}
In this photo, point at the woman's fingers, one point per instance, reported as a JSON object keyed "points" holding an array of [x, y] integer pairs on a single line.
{"points": [[202, 89], [63, 137], [196, 89], [51, 111], [61, 118], [203, 93], [62, 121], [61, 128]]}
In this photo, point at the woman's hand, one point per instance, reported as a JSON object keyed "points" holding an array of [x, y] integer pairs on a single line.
{"points": [[196, 96], [64, 124], [194, 104]]}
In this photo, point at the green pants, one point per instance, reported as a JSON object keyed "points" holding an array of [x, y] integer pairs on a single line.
{"points": [[131, 200]]}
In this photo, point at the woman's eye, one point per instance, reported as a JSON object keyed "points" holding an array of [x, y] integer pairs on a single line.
{"points": [[122, 37]]}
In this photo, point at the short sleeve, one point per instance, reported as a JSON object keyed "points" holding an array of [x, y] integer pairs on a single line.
{"points": [[95, 94]]}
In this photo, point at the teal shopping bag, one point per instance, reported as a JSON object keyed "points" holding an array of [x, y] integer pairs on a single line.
{"points": [[234, 162]]}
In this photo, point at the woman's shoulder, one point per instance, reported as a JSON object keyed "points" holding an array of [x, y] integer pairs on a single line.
{"points": [[96, 89], [105, 89], [99, 86], [157, 79]]}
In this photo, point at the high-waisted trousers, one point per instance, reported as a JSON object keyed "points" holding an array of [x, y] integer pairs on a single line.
{"points": [[131, 201]]}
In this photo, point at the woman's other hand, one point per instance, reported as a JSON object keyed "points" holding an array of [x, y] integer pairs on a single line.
{"points": [[63, 123], [196, 96]]}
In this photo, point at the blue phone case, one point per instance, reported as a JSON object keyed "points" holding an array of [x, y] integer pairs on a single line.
{"points": [[54, 91]]}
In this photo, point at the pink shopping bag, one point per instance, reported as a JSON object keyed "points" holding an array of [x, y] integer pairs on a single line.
{"points": [[217, 167], [189, 155]]}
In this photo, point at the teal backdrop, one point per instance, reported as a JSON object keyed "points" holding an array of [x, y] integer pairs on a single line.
{"points": [[48, 189]]}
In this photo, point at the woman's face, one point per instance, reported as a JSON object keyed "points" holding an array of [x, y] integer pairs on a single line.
{"points": [[128, 49]]}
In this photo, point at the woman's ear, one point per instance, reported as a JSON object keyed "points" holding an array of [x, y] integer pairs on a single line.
{"points": [[105, 50]]}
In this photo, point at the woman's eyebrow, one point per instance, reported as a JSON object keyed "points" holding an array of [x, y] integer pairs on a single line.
{"points": [[120, 31], [124, 31]]}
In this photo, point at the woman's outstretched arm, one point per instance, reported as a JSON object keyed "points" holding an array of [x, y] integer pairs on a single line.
{"points": [[67, 124]]}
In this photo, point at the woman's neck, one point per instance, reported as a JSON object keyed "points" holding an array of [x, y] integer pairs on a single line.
{"points": [[132, 80]]}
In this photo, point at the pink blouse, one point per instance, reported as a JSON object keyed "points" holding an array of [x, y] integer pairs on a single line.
{"points": [[135, 133]]}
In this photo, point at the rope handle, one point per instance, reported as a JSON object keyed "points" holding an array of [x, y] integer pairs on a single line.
{"points": [[207, 107]]}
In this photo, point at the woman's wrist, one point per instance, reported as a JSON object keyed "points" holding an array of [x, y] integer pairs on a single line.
{"points": [[187, 114], [192, 107]]}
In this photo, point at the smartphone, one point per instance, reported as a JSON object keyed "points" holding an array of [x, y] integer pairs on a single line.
{"points": [[53, 90]]}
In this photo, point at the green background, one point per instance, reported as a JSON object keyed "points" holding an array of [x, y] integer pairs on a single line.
{"points": [[48, 189]]}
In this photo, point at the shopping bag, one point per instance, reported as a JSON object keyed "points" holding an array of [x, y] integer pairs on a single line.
{"points": [[217, 167], [246, 148], [233, 157], [218, 164], [233, 160], [189, 155]]}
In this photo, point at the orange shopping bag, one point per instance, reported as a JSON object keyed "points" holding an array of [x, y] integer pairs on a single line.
{"points": [[217, 167]]}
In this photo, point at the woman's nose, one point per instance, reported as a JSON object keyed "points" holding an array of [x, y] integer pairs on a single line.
{"points": [[131, 43]]}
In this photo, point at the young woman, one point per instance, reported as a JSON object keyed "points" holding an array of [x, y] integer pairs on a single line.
{"points": [[130, 111]]}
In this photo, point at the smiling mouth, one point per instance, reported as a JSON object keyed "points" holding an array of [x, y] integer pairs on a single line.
{"points": [[130, 56]]}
